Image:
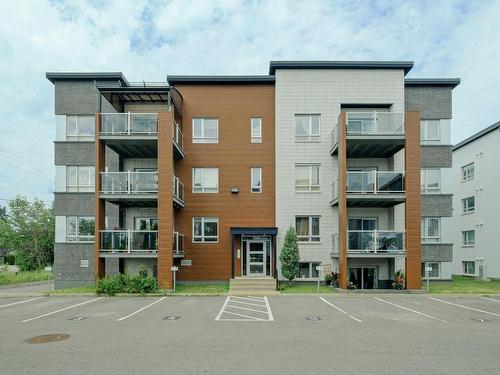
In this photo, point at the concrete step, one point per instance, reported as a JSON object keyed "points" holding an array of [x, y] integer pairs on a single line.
{"points": [[253, 293], [252, 287], [254, 282]]}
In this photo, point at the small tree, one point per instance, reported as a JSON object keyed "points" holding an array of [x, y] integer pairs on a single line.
{"points": [[289, 256]]}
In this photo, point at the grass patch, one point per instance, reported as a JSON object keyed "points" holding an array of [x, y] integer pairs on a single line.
{"points": [[465, 285], [80, 289], [216, 288], [301, 287], [23, 277]]}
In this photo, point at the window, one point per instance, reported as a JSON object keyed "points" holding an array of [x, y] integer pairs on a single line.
{"points": [[308, 270], [468, 172], [80, 228], [307, 128], [256, 130], [307, 228], [430, 180], [205, 180], [256, 177], [430, 132], [468, 205], [433, 273], [80, 178], [80, 128], [469, 267], [430, 229], [146, 223], [469, 238], [307, 178], [205, 229], [205, 130]]}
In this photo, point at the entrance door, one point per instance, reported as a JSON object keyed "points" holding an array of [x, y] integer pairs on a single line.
{"points": [[256, 258], [363, 277]]}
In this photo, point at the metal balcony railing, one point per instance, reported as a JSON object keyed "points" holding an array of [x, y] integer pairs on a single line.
{"points": [[374, 182], [375, 123], [177, 136], [129, 182], [129, 123], [129, 241], [335, 189], [178, 189], [178, 243], [372, 242]]}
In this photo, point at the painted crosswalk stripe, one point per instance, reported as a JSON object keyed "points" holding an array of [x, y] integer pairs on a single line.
{"points": [[64, 309], [19, 302], [464, 307], [413, 311]]}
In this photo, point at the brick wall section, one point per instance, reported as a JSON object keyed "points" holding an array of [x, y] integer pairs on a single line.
{"points": [[81, 204], [412, 209], [165, 205], [437, 205], [342, 155], [67, 257], [438, 252], [79, 98], [436, 156], [433, 102]]}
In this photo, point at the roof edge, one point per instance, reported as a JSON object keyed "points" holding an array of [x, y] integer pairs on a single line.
{"points": [[175, 79], [478, 135], [453, 82], [86, 76], [405, 65]]}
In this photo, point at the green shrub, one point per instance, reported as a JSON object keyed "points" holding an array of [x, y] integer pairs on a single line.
{"points": [[126, 284], [110, 285]]}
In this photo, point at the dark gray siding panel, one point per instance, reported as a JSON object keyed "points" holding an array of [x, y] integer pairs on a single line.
{"points": [[436, 156], [436, 205], [74, 153], [67, 264], [74, 204], [79, 98], [439, 252], [433, 102], [112, 266]]}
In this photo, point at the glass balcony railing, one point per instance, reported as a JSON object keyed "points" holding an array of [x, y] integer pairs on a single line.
{"points": [[178, 243], [178, 189], [375, 241], [129, 182], [177, 136], [129, 123], [375, 182], [375, 123], [129, 241]]}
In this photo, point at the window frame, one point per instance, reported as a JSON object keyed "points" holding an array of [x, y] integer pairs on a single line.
{"points": [[424, 229], [466, 207], [465, 269], [256, 189], [466, 172], [203, 238], [424, 132], [430, 275], [424, 181], [255, 138], [310, 187], [77, 188], [310, 137], [310, 237], [77, 237], [204, 189], [467, 242], [312, 274], [203, 139], [78, 137]]}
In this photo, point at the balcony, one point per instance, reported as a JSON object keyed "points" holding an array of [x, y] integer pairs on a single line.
{"points": [[178, 143], [130, 188], [369, 243], [178, 245], [177, 192], [371, 134], [130, 243]]}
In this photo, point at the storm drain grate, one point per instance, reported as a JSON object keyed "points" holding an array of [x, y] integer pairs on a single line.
{"points": [[313, 318], [44, 339], [172, 317]]}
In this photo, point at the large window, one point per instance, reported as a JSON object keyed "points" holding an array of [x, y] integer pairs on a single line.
{"points": [[205, 130], [80, 128], [205, 180], [256, 130], [307, 128], [430, 132], [308, 270], [430, 180], [307, 228], [469, 238], [80, 178], [469, 267], [468, 172], [205, 229], [431, 229], [468, 205], [256, 180], [433, 272], [307, 178], [80, 228]]}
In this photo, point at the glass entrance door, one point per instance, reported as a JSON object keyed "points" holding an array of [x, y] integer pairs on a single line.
{"points": [[256, 259], [363, 277]]}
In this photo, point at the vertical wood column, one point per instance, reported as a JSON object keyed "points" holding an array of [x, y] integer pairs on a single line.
{"points": [[100, 207], [165, 204], [412, 207], [342, 187]]}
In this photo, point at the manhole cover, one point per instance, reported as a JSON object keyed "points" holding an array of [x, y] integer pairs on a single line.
{"points": [[313, 318], [77, 318], [44, 339], [172, 317], [479, 320]]}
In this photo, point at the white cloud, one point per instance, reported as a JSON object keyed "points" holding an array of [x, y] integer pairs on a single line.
{"points": [[149, 39]]}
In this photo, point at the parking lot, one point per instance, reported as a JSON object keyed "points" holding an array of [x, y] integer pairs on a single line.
{"points": [[386, 334]]}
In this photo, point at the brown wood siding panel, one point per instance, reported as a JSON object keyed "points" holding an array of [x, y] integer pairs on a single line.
{"points": [[165, 204], [342, 217], [412, 209], [99, 203], [234, 155]]}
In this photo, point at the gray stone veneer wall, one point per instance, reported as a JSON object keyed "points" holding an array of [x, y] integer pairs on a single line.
{"points": [[436, 205], [438, 156], [67, 264], [433, 102], [437, 252]]}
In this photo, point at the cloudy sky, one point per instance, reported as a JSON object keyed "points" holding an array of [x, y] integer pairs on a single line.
{"points": [[147, 40]]}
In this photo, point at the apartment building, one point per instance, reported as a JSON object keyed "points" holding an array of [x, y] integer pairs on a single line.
{"points": [[474, 179], [208, 172]]}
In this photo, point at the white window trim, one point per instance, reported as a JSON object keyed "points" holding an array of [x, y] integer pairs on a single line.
{"points": [[254, 138], [202, 237], [424, 139], [77, 235], [432, 277], [252, 186], [314, 138], [310, 277], [469, 177], [309, 238], [77, 188], [309, 186], [204, 139], [466, 209], [425, 178], [78, 137], [467, 243], [464, 268], [202, 189], [425, 238]]}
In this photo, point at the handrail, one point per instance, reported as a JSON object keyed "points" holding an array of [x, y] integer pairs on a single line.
{"points": [[128, 123], [375, 182], [178, 137], [129, 182], [375, 123], [129, 241], [177, 188]]}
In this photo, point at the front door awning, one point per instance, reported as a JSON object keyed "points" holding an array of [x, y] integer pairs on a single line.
{"points": [[254, 231]]}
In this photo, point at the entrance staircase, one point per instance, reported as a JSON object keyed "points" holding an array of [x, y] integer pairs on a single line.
{"points": [[249, 286]]}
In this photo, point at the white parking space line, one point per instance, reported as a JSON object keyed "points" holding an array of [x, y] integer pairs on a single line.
{"points": [[234, 305], [269, 312], [18, 302], [141, 309], [55, 312], [246, 303], [486, 298], [247, 317], [222, 308], [413, 311], [340, 310], [255, 299], [246, 308], [464, 307]]}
